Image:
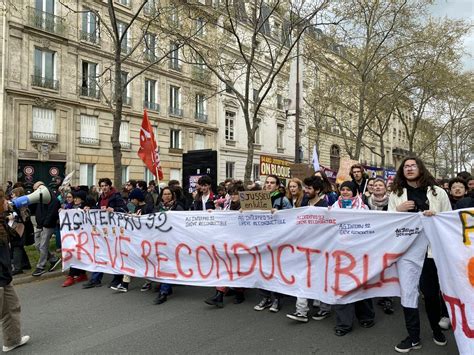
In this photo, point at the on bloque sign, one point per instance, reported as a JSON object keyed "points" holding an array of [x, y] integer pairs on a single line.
{"points": [[255, 200]]}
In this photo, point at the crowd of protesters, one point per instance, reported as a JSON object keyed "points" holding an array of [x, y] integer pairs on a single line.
{"points": [[413, 189]]}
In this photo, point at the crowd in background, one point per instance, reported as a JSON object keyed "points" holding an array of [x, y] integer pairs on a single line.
{"points": [[413, 190]]}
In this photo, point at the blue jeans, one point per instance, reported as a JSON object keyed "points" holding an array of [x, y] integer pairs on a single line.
{"points": [[166, 289], [97, 276]]}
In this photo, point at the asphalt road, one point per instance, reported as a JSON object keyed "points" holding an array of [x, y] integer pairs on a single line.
{"points": [[96, 321]]}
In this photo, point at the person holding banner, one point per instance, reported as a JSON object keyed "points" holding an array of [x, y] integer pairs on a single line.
{"points": [[294, 192], [272, 300], [362, 310], [414, 190]]}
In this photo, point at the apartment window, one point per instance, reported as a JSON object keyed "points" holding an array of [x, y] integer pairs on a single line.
{"points": [[201, 108], [150, 47], [90, 27], [45, 70], [87, 174], [200, 27], [335, 157], [127, 100], [124, 137], [257, 136], [121, 29], [175, 101], [124, 2], [174, 17], [228, 88], [280, 133], [148, 175], [89, 130], [125, 174], [44, 124], [43, 16], [255, 95], [175, 174], [89, 80], [229, 125], [174, 56], [399, 135], [256, 172], [394, 136], [150, 100], [150, 7], [175, 138], [229, 169], [199, 141], [279, 102]]}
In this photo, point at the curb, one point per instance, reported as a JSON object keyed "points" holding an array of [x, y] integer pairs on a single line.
{"points": [[22, 279]]}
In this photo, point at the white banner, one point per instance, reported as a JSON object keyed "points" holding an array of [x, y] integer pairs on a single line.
{"points": [[451, 237], [336, 256]]}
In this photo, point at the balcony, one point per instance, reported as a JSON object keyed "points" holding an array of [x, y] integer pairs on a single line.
{"points": [[89, 37], [153, 106], [42, 82], [174, 111], [89, 141], [201, 74], [201, 117], [91, 92], [46, 21], [174, 64], [125, 145], [36, 136]]}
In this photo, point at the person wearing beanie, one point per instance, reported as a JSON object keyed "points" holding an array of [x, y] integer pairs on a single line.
{"points": [[350, 197]]}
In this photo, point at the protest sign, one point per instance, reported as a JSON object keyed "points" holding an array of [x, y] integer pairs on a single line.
{"points": [[451, 237], [275, 166], [255, 200], [301, 171], [307, 252], [343, 173]]}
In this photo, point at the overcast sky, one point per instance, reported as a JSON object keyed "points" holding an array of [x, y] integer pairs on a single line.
{"points": [[458, 9]]}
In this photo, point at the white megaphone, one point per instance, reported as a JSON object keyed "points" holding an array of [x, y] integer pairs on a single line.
{"points": [[41, 194]]}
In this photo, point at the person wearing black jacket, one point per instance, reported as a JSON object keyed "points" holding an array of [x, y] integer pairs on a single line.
{"points": [[359, 178], [205, 198], [47, 218], [9, 302]]}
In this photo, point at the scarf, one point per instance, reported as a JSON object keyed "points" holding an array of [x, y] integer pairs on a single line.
{"points": [[356, 203], [378, 203]]}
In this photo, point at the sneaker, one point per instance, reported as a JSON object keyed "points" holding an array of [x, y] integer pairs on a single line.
{"points": [[320, 315], [69, 281], [444, 323], [92, 284], [24, 339], [264, 303], [55, 264], [276, 306], [81, 278], [146, 287], [119, 288], [298, 317], [406, 345], [38, 272], [388, 307], [439, 339], [161, 298]]}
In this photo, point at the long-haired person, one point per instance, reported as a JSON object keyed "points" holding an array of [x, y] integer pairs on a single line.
{"points": [[295, 192], [10, 304], [328, 190], [414, 190]]}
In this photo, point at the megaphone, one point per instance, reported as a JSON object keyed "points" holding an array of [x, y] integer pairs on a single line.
{"points": [[41, 194]]}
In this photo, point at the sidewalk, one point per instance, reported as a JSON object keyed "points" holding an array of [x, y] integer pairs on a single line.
{"points": [[27, 278]]}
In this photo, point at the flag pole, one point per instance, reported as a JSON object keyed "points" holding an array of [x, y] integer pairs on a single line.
{"points": [[157, 179]]}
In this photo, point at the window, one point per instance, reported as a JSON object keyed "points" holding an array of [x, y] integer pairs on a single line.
{"points": [[89, 130], [175, 138], [229, 125], [45, 70], [199, 141], [127, 100], [175, 101], [150, 7], [174, 56], [256, 172], [201, 108], [335, 157], [394, 136], [87, 174], [200, 27], [257, 136], [174, 17], [124, 2], [90, 27], [89, 77], [175, 174], [150, 99], [121, 29], [280, 133], [124, 137], [125, 174], [229, 169], [148, 175], [255, 95], [279, 102], [150, 47], [44, 124], [228, 88], [43, 16]]}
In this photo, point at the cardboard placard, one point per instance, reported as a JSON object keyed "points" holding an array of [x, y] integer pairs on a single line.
{"points": [[255, 200], [301, 171]]}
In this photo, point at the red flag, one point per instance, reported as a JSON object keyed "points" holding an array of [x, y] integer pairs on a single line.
{"points": [[148, 151]]}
